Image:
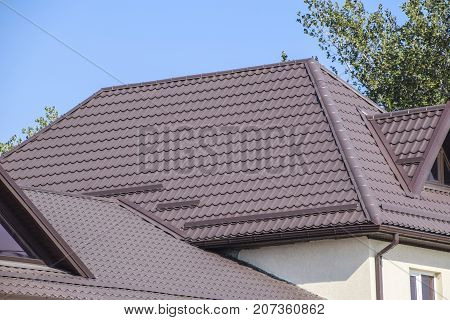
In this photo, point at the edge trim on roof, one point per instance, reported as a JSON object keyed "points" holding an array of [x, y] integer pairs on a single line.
{"points": [[368, 202], [388, 154], [48, 235], [203, 75], [355, 91], [336, 232], [290, 236]]}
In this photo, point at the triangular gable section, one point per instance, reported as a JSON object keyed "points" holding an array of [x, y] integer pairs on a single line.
{"points": [[20, 215], [412, 139]]}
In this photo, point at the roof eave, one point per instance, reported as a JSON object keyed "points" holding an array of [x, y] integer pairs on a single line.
{"points": [[409, 237], [283, 237]]}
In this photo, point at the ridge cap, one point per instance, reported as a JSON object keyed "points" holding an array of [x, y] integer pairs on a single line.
{"points": [[367, 200]]}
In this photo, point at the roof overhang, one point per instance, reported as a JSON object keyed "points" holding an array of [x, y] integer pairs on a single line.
{"points": [[379, 232]]}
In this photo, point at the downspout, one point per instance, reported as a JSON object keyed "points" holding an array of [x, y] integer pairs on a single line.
{"points": [[379, 266]]}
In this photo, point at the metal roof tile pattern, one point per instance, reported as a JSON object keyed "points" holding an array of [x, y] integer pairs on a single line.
{"points": [[382, 180], [241, 142], [408, 134], [133, 259]]}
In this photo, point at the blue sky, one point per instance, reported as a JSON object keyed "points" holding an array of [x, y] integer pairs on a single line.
{"points": [[134, 41]]}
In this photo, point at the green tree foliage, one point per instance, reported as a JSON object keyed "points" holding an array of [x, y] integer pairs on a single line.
{"points": [[51, 114], [397, 65]]}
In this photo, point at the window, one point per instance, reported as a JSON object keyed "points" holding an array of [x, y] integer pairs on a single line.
{"points": [[9, 247], [422, 286], [440, 173]]}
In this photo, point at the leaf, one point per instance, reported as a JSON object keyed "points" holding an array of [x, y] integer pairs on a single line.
{"points": [[51, 114]]}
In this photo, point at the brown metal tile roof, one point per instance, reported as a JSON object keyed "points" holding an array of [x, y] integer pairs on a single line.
{"points": [[320, 153], [294, 166], [408, 134], [429, 212], [132, 259]]}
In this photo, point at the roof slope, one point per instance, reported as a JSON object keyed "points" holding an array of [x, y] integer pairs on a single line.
{"points": [[263, 129], [411, 137], [409, 134], [268, 150], [429, 211], [132, 259]]}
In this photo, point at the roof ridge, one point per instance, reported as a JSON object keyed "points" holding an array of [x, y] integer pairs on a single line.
{"points": [[204, 75], [367, 200], [140, 84], [350, 87]]}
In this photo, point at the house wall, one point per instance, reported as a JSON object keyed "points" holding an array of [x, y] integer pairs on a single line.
{"points": [[334, 269], [402, 259], [345, 268]]}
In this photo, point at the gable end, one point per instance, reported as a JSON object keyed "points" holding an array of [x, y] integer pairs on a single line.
{"points": [[412, 140]]}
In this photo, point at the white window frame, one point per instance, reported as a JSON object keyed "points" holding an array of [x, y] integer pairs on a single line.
{"points": [[418, 274]]}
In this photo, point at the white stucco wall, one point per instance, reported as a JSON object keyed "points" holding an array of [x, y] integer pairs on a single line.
{"points": [[400, 261], [345, 268]]}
